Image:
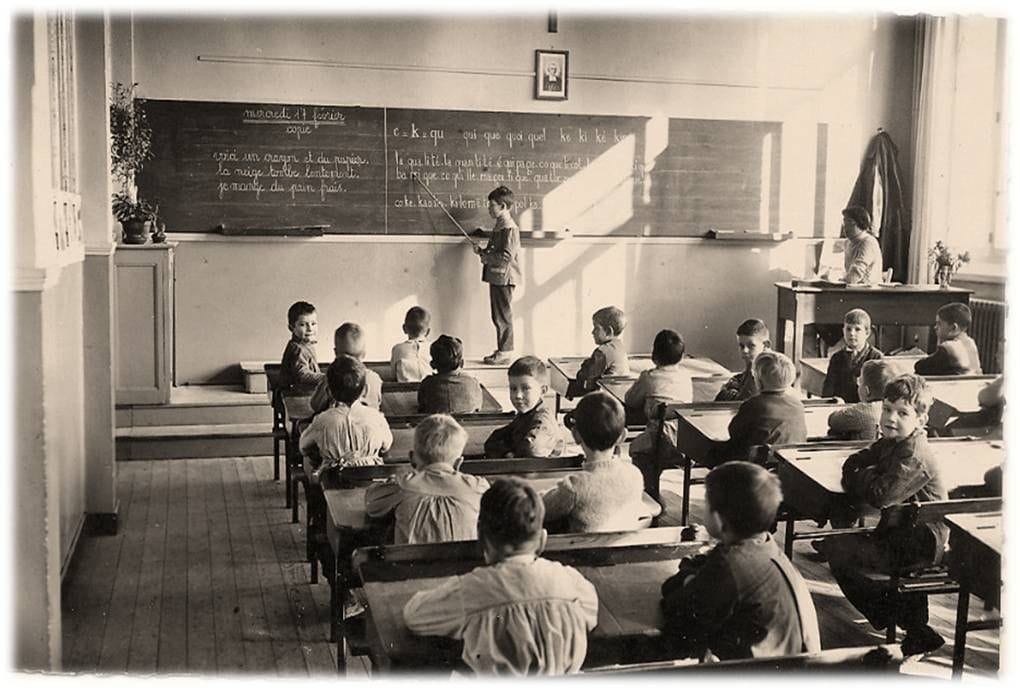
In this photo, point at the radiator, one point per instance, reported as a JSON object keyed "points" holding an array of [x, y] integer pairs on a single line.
{"points": [[987, 328]]}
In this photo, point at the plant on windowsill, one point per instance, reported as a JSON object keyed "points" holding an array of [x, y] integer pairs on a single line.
{"points": [[130, 147], [945, 263]]}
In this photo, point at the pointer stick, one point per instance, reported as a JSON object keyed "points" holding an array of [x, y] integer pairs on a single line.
{"points": [[426, 187]]}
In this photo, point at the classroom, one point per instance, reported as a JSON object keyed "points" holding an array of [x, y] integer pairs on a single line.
{"points": [[709, 239]]}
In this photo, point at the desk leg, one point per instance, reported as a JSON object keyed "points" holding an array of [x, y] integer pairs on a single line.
{"points": [[780, 341], [333, 585], [796, 341], [960, 638], [286, 467], [685, 501]]}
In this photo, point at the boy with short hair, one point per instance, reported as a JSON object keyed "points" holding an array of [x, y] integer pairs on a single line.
{"points": [[520, 613], [433, 501], [533, 432], [752, 338], [348, 433], [349, 340], [410, 359], [500, 269], [299, 367], [610, 355], [773, 416], [859, 421], [665, 382], [606, 495], [449, 390], [743, 599], [897, 468], [845, 365], [956, 353]]}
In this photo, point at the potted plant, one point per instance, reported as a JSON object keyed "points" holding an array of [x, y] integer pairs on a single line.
{"points": [[130, 147], [946, 262]]}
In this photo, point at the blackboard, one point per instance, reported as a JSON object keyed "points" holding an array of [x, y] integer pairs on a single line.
{"points": [[353, 169]]}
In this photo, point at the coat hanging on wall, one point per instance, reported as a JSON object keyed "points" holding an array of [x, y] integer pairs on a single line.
{"points": [[879, 189]]}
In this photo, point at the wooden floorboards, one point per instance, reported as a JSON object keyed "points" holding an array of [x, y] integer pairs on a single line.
{"points": [[208, 576]]}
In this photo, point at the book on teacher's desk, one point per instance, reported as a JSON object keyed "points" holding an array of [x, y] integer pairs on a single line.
{"points": [[818, 283]]}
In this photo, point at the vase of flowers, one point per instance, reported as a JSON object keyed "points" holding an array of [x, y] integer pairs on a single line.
{"points": [[945, 263]]}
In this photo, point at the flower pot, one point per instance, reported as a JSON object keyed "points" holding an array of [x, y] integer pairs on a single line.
{"points": [[135, 231]]}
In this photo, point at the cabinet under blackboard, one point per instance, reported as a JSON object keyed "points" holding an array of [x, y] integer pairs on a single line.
{"points": [[295, 169]]}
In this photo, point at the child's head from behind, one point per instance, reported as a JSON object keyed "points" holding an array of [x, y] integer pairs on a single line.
{"points": [[348, 339], [856, 329], [875, 376], [417, 322], [346, 379], [774, 371], [753, 338], [438, 439], [668, 348], [742, 500], [510, 520], [905, 406], [447, 354], [607, 323], [302, 321], [598, 422], [952, 320], [529, 381]]}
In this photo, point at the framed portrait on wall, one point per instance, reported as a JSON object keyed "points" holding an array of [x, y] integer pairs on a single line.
{"points": [[551, 75]]}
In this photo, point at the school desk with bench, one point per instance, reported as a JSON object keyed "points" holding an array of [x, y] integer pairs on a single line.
{"points": [[811, 476], [562, 370], [900, 305], [975, 560], [701, 426], [626, 568], [348, 526]]}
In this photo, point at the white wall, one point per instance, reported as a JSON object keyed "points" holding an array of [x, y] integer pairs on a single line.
{"points": [[851, 72]]}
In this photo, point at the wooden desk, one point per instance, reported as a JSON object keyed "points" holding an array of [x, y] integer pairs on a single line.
{"points": [[702, 425], [348, 526], [956, 403], [975, 561], [564, 369], [905, 305], [401, 399], [812, 476], [627, 570], [813, 369]]}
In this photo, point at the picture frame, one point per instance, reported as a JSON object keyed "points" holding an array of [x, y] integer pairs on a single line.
{"points": [[551, 74]]}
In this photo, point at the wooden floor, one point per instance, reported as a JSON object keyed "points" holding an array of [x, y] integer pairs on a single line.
{"points": [[207, 576]]}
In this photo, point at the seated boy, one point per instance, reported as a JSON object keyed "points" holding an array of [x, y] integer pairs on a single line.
{"points": [[606, 495], [533, 432], [743, 598], [433, 501], [845, 365], [348, 433], [410, 359], [449, 390], [859, 421], [773, 416], [752, 339], [520, 613], [956, 352], [897, 468], [348, 340], [666, 382], [299, 368], [610, 355]]}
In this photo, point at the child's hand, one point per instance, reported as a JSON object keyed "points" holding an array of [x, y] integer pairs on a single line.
{"points": [[695, 533], [476, 249]]}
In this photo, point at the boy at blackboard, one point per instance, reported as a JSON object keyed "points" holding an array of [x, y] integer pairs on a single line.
{"points": [[299, 369], [501, 271], [410, 359]]}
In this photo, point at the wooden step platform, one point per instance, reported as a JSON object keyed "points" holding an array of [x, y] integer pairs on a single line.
{"points": [[194, 441]]}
